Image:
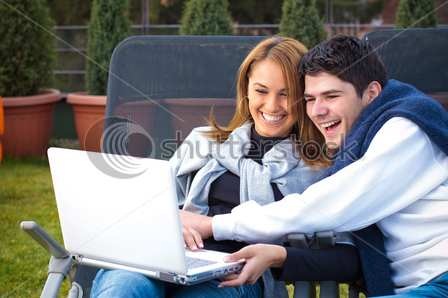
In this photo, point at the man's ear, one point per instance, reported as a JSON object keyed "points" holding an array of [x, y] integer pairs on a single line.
{"points": [[371, 92]]}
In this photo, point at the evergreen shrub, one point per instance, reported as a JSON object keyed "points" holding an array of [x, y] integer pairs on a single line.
{"points": [[27, 49], [415, 13], [109, 24], [300, 20], [206, 17]]}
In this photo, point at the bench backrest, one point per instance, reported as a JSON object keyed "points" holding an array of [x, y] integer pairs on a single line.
{"points": [[416, 56], [164, 84]]}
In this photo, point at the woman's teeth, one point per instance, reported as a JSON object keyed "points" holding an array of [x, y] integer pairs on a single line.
{"points": [[272, 118]]}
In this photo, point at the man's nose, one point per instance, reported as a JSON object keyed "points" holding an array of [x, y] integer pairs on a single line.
{"points": [[319, 108]]}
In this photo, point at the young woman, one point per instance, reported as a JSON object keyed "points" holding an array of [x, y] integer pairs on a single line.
{"points": [[257, 156]]}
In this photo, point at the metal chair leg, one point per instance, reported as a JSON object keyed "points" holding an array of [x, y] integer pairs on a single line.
{"points": [[60, 262], [58, 269], [75, 291]]}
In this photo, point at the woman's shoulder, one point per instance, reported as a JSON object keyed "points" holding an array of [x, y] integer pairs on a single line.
{"points": [[198, 140], [202, 129], [200, 133]]}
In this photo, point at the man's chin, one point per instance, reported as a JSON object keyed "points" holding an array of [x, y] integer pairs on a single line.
{"points": [[332, 144]]}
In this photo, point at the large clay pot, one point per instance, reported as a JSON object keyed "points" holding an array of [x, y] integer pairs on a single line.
{"points": [[29, 123], [88, 112], [189, 113]]}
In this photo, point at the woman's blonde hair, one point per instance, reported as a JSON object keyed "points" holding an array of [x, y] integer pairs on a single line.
{"points": [[286, 52]]}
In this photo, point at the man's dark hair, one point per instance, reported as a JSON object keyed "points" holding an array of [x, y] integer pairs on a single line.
{"points": [[350, 59]]}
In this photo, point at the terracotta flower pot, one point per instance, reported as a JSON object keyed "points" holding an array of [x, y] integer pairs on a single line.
{"points": [[89, 116], [29, 123], [193, 112]]}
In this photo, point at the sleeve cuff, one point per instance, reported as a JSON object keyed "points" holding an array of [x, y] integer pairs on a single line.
{"points": [[281, 272], [223, 226]]}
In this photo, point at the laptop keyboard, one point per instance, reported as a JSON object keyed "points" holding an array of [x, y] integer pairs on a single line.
{"points": [[195, 263]]}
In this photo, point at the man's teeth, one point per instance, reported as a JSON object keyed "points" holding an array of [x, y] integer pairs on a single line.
{"points": [[272, 117], [328, 124]]}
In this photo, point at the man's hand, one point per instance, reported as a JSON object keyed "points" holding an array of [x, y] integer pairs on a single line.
{"points": [[195, 228], [258, 257], [192, 238]]}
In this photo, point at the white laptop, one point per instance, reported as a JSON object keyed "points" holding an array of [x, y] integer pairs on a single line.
{"points": [[121, 212]]}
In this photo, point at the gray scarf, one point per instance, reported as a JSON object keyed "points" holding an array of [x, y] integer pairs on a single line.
{"points": [[280, 165]]}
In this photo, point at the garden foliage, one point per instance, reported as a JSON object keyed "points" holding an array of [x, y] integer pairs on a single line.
{"points": [[206, 17], [109, 24], [300, 20], [415, 13], [27, 47]]}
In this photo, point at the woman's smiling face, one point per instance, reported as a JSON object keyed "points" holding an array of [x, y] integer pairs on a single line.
{"points": [[268, 100]]}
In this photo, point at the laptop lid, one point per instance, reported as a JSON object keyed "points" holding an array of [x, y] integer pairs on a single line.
{"points": [[101, 197]]}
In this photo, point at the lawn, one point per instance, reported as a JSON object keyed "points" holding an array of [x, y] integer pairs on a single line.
{"points": [[26, 193]]}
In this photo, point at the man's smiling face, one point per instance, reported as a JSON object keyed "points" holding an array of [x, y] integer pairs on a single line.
{"points": [[332, 105]]}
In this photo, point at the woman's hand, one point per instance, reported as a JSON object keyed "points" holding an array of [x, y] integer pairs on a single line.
{"points": [[195, 228], [258, 257]]}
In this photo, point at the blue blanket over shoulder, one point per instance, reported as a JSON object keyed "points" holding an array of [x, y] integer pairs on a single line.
{"points": [[397, 99]]}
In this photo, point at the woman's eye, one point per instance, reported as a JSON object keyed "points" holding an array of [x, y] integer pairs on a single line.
{"points": [[284, 94], [261, 91]]}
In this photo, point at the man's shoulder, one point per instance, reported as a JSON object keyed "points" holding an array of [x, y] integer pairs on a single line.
{"points": [[398, 127], [399, 123], [398, 131]]}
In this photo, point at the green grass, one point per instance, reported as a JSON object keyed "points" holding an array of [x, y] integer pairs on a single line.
{"points": [[26, 193]]}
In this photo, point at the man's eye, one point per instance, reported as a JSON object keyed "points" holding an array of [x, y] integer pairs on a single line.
{"points": [[332, 96], [309, 99]]}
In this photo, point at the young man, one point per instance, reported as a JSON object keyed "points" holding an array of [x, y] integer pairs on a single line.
{"points": [[390, 169]]}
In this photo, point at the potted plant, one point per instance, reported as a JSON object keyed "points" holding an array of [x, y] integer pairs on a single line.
{"points": [[412, 13], [300, 20], [204, 17], [109, 24], [27, 54]]}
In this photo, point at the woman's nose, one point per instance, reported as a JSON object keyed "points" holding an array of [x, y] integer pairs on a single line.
{"points": [[272, 103]]}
